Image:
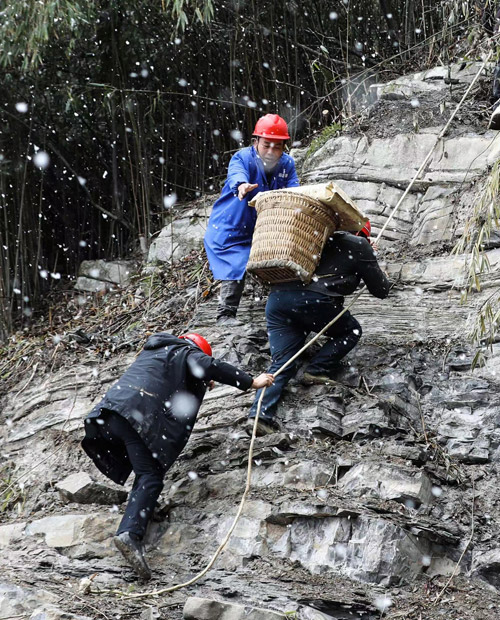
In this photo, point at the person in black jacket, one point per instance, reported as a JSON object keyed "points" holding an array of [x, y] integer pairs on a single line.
{"points": [[294, 310], [145, 420]]}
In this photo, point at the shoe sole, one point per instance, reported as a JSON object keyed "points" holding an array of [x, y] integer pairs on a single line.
{"points": [[316, 381], [265, 432], [131, 559], [260, 432]]}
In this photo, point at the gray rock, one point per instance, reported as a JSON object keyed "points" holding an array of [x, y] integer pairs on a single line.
{"points": [[90, 285], [247, 541], [434, 220], [355, 158], [208, 609], [363, 548], [307, 475], [423, 82], [98, 275], [408, 453], [151, 613], [74, 530], [17, 602], [11, 532], [180, 236], [331, 609], [486, 565], [60, 401], [367, 421], [83, 489], [316, 418], [465, 431], [387, 482], [51, 612], [477, 452]]}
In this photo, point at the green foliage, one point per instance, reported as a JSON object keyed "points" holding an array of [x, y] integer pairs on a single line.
{"points": [[485, 218], [328, 132], [27, 27], [28, 30], [203, 10], [12, 495], [134, 100]]}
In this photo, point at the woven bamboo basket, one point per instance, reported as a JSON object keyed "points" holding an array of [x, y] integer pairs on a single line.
{"points": [[289, 236]]}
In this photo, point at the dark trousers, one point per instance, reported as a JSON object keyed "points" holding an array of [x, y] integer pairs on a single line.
{"points": [[491, 21], [148, 483], [291, 316], [230, 296], [495, 87]]}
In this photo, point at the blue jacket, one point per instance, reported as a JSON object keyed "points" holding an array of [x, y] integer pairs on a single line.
{"points": [[230, 228]]}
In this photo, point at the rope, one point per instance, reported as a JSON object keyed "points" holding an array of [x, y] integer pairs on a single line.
{"points": [[443, 131], [292, 359]]}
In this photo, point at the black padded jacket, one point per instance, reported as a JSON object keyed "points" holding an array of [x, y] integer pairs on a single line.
{"points": [[160, 395], [345, 261]]}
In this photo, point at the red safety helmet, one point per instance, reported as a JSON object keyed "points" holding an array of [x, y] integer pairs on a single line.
{"points": [[199, 341], [271, 126], [366, 231]]}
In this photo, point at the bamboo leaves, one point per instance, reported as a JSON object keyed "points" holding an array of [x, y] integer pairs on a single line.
{"points": [[136, 100], [485, 219], [203, 10], [27, 27]]}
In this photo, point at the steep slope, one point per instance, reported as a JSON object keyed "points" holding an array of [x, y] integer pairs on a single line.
{"points": [[379, 489]]}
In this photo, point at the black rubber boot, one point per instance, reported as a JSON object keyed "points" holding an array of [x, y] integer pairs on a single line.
{"points": [[133, 553], [495, 117], [495, 86], [495, 100], [230, 296]]}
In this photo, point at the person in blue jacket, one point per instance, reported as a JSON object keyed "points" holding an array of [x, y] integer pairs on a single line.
{"points": [[260, 167]]}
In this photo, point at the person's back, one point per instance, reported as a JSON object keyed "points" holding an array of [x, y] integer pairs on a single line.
{"points": [[345, 261], [295, 309]]}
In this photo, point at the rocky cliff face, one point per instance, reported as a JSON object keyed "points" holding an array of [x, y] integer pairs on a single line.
{"points": [[380, 494]]}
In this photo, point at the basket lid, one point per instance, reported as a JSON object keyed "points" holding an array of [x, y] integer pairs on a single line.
{"points": [[297, 201], [331, 196]]}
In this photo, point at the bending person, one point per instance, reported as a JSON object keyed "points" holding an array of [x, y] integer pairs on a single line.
{"points": [[294, 310], [145, 420], [258, 168]]}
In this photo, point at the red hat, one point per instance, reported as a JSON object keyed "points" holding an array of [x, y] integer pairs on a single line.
{"points": [[271, 126], [199, 341], [366, 231]]}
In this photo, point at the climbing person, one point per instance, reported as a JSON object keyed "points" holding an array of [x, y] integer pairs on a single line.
{"points": [[490, 17], [295, 309], [260, 167], [145, 420]]}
